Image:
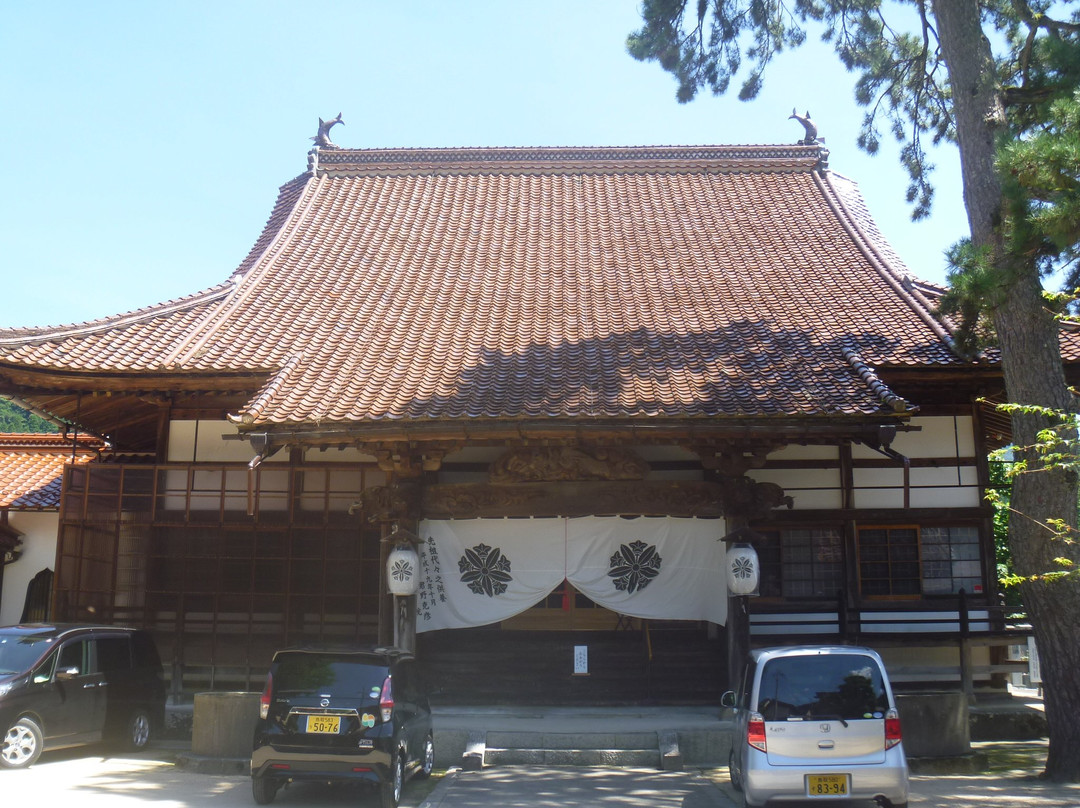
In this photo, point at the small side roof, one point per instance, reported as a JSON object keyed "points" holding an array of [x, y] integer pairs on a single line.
{"points": [[32, 467]]}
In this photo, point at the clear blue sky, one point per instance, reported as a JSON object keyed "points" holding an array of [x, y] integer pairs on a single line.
{"points": [[142, 143]]}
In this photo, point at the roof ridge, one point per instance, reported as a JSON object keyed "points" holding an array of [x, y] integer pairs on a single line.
{"points": [[704, 151], [243, 284], [277, 219], [252, 410], [895, 402], [20, 336], [47, 441], [901, 283], [550, 159]]}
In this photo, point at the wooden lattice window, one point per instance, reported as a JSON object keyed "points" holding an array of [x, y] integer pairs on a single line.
{"points": [[889, 561], [804, 563]]}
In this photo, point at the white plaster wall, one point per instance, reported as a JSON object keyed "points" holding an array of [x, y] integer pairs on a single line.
{"points": [[809, 488], [212, 448], [38, 529], [796, 452], [945, 487], [879, 488], [939, 436], [343, 487], [347, 455]]}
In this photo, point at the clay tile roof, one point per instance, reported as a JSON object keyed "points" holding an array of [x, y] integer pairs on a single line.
{"points": [[32, 467], [688, 282]]}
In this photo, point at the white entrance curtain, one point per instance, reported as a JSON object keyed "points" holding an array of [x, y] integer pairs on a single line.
{"points": [[479, 571]]}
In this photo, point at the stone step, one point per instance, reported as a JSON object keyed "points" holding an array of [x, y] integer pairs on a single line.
{"points": [[623, 758], [571, 740], [658, 750]]}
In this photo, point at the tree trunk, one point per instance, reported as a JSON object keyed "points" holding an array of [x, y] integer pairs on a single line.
{"points": [[1031, 362]]}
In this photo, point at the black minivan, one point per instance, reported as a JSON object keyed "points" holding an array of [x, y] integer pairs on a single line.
{"points": [[66, 685], [342, 714]]}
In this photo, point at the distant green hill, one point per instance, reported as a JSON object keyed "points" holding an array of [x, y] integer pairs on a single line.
{"points": [[16, 419]]}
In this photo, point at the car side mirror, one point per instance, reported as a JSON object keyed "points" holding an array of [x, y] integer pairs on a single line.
{"points": [[728, 699]]}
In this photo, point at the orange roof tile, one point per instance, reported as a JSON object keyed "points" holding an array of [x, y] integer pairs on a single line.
{"points": [[743, 281], [32, 468]]}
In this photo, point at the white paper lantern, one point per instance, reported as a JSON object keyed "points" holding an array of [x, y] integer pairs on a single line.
{"points": [[403, 570], [743, 570]]}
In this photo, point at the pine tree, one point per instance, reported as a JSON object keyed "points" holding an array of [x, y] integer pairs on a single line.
{"points": [[1013, 118]]}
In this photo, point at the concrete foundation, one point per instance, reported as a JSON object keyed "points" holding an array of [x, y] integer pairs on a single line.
{"points": [[935, 724], [224, 724]]}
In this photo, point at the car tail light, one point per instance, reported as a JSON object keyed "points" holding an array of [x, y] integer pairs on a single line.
{"points": [[264, 699], [755, 731], [386, 700], [892, 729]]}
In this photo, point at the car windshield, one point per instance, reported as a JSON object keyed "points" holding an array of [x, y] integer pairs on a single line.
{"points": [[843, 686], [18, 652], [340, 674]]}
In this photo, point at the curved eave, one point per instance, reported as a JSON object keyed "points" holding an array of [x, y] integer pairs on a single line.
{"points": [[830, 428], [10, 337], [850, 209], [25, 380]]}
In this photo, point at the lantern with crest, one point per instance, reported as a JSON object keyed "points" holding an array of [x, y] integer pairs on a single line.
{"points": [[402, 564], [743, 569]]}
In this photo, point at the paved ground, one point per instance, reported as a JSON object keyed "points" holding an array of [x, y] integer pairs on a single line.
{"points": [[91, 778]]}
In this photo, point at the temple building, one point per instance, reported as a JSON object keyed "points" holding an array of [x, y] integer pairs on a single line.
{"points": [[572, 379]]}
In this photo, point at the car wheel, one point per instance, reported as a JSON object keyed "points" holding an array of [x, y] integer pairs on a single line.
{"points": [[263, 789], [390, 790], [138, 730], [22, 744], [427, 761], [733, 773]]}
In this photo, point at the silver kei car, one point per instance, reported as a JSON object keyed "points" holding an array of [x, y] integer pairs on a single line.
{"points": [[815, 723]]}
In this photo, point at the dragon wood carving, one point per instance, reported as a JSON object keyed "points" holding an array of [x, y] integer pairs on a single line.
{"points": [[565, 464]]}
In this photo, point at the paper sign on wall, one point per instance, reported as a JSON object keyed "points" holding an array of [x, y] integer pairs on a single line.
{"points": [[581, 660]]}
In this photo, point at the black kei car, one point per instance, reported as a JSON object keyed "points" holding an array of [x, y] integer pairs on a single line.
{"points": [[342, 714], [68, 685]]}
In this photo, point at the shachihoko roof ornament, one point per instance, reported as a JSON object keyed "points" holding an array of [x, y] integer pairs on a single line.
{"points": [[322, 137], [809, 126]]}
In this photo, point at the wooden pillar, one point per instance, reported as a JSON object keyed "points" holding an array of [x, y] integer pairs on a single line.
{"points": [[967, 683], [738, 624], [738, 638], [405, 622], [386, 600], [164, 418]]}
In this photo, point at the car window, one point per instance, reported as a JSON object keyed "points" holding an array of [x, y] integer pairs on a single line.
{"points": [[146, 655], [742, 700], [19, 652], [43, 671], [75, 655], [847, 686], [114, 654], [337, 673]]}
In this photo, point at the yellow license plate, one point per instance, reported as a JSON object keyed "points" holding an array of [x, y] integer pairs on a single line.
{"points": [[324, 724], [827, 785]]}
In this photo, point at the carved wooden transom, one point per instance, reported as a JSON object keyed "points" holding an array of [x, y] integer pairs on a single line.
{"points": [[567, 464]]}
